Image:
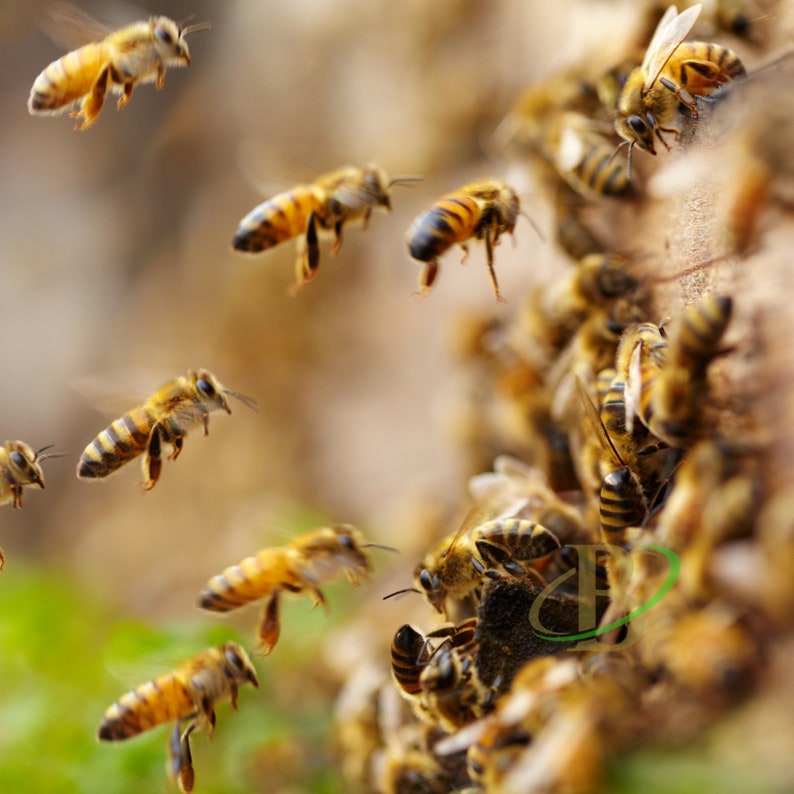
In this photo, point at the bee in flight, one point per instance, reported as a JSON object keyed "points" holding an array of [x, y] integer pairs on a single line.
{"points": [[310, 560], [672, 73], [186, 696], [342, 196], [19, 466], [482, 210], [164, 418], [137, 53]]}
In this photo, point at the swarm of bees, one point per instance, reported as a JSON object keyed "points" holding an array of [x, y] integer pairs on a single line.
{"points": [[582, 602]]}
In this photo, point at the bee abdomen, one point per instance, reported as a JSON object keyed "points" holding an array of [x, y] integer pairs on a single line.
{"points": [[440, 227], [620, 505], [64, 81], [234, 587], [406, 663], [117, 444], [151, 704], [274, 221]]}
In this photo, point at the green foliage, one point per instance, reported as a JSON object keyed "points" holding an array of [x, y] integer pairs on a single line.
{"points": [[65, 658]]}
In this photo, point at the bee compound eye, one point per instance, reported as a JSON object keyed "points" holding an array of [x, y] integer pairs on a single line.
{"points": [[426, 580], [205, 387], [636, 124], [18, 459], [164, 35]]}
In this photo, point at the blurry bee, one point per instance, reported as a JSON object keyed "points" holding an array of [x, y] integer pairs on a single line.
{"points": [[673, 73], [19, 466], [584, 157], [456, 567], [136, 54], [188, 696], [621, 505], [310, 560], [164, 418], [342, 196], [483, 210]]}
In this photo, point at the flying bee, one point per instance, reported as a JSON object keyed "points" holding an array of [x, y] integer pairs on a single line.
{"points": [[310, 560], [164, 418], [343, 196], [456, 567], [672, 73], [482, 210], [187, 696], [136, 54]]}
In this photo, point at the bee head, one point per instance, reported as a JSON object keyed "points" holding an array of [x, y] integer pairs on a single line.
{"points": [[169, 41], [239, 664], [23, 463], [432, 589], [208, 390]]}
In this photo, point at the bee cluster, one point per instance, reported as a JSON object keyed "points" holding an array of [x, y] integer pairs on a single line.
{"points": [[626, 561]]}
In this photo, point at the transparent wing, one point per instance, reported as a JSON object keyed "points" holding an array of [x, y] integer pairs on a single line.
{"points": [[70, 27], [633, 391], [597, 423], [670, 32]]}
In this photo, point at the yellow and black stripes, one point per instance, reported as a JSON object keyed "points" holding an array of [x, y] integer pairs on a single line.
{"points": [[117, 444], [453, 219], [276, 220]]}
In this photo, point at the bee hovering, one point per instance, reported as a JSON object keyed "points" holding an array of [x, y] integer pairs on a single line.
{"points": [[186, 696], [164, 418], [343, 196], [136, 54]]}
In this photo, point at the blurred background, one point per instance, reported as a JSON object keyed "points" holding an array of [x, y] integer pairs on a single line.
{"points": [[118, 275]]}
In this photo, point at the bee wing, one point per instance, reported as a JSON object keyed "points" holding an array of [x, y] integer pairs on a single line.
{"points": [[597, 423], [115, 391], [633, 390], [270, 169], [670, 32], [70, 27]]}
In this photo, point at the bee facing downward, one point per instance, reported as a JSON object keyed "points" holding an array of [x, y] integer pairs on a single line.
{"points": [[342, 196], [165, 418], [310, 560], [188, 694], [673, 73], [482, 210], [138, 53]]}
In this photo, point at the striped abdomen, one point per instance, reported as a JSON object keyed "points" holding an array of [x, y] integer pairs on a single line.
{"points": [[452, 220], [702, 67], [254, 578], [409, 656], [620, 506], [279, 219], [117, 444], [68, 79], [509, 540], [162, 700], [702, 327]]}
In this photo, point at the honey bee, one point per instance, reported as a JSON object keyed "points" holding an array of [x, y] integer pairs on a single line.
{"points": [[19, 466], [456, 567], [584, 157], [164, 418], [343, 196], [672, 73], [482, 210], [136, 54], [310, 560], [187, 696]]}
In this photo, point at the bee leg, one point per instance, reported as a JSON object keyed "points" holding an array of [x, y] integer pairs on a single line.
{"points": [[308, 257], [16, 490], [182, 758], [365, 218], [93, 101], [269, 629], [2, 560], [319, 598], [465, 249], [427, 278], [489, 244], [160, 82], [152, 460], [126, 96], [233, 689], [336, 247]]}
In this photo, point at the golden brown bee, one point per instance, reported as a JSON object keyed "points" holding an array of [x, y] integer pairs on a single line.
{"points": [[136, 54], [164, 418], [310, 560], [187, 695], [673, 73], [19, 466], [343, 196], [456, 567], [583, 155], [482, 210]]}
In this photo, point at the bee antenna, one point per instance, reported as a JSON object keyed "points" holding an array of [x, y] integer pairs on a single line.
{"points": [[248, 402], [404, 180], [380, 546], [534, 226], [187, 30], [400, 592], [39, 456]]}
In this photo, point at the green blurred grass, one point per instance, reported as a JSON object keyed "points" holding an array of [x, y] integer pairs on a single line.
{"points": [[65, 658]]}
